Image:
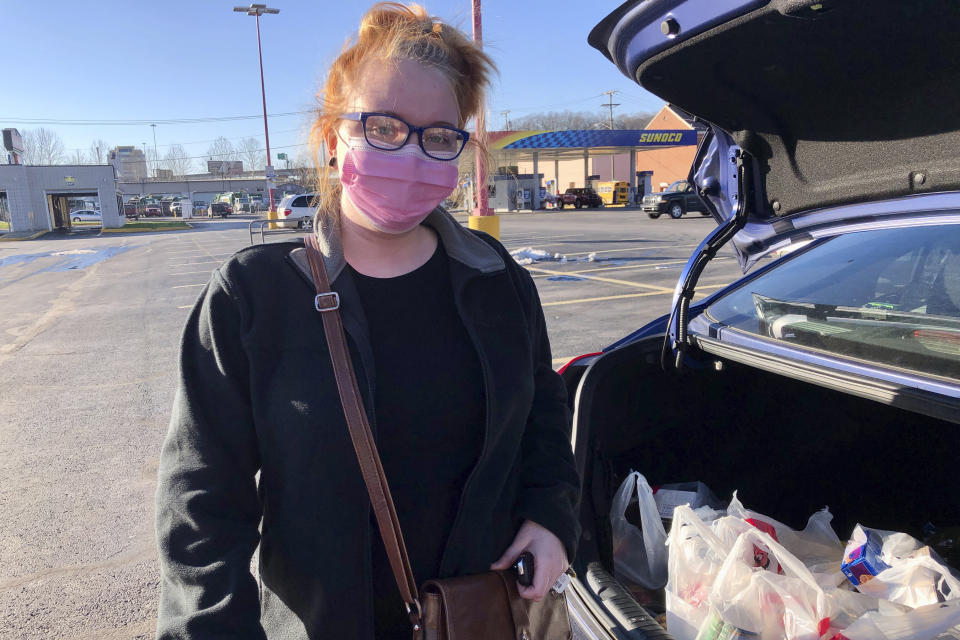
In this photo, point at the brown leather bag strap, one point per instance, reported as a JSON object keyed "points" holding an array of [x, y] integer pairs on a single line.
{"points": [[327, 302]]}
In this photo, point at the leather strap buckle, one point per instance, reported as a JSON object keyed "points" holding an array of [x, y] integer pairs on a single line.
{"points": [[327, 301], [416, 616]]}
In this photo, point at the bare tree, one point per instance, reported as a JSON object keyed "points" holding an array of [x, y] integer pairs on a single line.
{"points": [[252, 154], [222, 149], [99, 151], [78, 157], [177, 160], [42, 146]]}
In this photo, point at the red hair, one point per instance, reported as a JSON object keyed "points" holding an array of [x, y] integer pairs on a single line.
{"points": [[394, 31]]}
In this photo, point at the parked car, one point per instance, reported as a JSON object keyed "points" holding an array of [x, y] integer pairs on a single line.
{"points": [[242, 205], [153, 210], [221, 209], [296, 211], [828, 376], [199, 204], [86, 215], [580, 197], [130, 210], [176, 208], [677, 199]]}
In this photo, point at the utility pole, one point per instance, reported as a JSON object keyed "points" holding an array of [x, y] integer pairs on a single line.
{"points": [[155, 158], [483, 217], [506, 123], [611, 105]]}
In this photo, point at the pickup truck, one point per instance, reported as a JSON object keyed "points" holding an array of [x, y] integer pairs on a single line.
{"points": [[675, 200], [580, 197]]}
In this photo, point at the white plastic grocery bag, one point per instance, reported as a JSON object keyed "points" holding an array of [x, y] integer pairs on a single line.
{"points": [[922, 623], [784, 601], [639, 555], [696, 554]]}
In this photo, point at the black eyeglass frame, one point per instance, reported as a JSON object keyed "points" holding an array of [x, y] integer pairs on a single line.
{"points": [[362, 116]]}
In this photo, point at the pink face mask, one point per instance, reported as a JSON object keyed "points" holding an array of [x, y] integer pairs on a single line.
{"points": [[396, 190]]}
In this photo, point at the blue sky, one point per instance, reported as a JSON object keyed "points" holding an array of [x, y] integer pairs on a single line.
{"points": [[139, 60]]}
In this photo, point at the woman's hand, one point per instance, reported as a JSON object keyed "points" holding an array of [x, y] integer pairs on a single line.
{"points": [[550, 558]]}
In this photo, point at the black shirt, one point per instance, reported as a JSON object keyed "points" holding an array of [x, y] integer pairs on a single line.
{"points": [[429, 416]]}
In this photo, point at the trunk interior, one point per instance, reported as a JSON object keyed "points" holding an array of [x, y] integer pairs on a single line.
{"points": [[789, 448]]}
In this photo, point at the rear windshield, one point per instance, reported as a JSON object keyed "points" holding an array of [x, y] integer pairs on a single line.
{"points": [[888, 296]]}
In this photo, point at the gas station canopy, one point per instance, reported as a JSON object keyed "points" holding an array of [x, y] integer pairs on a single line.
{"points": [[572, 143]]}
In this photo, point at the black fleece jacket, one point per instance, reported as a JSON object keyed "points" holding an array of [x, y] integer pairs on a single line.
{"points": [[257, 394]]}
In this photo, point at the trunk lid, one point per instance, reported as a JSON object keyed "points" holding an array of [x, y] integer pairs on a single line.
{"points": [[834, 103]]}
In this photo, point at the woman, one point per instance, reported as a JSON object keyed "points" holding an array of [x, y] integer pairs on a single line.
{"points": [[450, 349]]}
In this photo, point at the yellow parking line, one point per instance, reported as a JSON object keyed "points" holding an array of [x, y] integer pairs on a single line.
{"points": [[184, 286], [640, 266], [186, 306], [626, 283], [623, 296], [602, 298], [666, 246]]}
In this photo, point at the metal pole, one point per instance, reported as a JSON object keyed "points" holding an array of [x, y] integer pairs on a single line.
{"points": [[483, 193], [263, 95], [155, 158]]}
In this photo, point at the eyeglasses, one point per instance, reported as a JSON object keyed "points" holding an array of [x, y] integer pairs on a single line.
{"points": [[389, 133]]}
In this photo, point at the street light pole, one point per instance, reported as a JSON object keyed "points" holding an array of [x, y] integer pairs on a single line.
{"points": [[258, 10], [155, 159]]}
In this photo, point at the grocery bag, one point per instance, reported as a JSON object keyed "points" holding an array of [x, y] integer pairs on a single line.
{"points": [[786, 602], [922, 623], [639, 554], [696, 554]]}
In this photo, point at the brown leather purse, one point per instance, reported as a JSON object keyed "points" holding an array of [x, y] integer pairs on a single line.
{"points": [[484, 606]]}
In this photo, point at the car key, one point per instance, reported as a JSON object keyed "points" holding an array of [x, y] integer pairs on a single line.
{"points": [[524, 568]]}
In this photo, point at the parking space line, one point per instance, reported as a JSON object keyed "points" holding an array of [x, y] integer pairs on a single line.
{"points": [[189, 264], [186, 306], [191, 273], [667, 246], [622, 296], [625, 283], [640, 266], [185, 286]]}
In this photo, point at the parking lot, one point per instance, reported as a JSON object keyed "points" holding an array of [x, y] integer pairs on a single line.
{"points": [[88, 346]]}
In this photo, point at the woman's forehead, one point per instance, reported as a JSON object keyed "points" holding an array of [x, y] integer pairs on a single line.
{"points": [[416, 92]]}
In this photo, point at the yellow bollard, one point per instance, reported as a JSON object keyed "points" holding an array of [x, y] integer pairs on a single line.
{"points": [[272, 215], [487, 224]]}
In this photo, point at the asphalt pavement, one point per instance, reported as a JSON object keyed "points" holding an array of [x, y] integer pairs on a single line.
{"points": [[88, 346]]}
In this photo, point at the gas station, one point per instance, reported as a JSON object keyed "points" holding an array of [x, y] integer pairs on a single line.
{"points": [[528, 164]]}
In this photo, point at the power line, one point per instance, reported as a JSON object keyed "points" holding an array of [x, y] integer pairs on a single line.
{"points": [[167, 121]]}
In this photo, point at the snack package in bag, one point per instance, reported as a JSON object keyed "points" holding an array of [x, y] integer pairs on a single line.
{"points": [[639, 554], [696, 554], [897, 567]]}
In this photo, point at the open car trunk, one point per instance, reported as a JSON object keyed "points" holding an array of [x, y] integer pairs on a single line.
{"points": [[788, 447]]}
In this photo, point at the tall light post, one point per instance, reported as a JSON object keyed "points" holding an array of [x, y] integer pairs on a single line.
{"points": [[156, 166], [258, 10]]}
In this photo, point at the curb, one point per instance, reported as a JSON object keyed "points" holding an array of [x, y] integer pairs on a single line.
{"points": [[146, 230], [6, 237]]}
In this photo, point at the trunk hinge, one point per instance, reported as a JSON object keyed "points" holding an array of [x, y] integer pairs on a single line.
{"points": [[676, 339]]}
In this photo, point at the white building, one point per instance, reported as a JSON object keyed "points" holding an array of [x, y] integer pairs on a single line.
{"points": [[38, 198], [129, 162]]}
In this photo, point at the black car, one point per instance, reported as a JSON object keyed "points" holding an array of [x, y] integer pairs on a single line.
{"points": [[827, 376], [676, 200]]}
